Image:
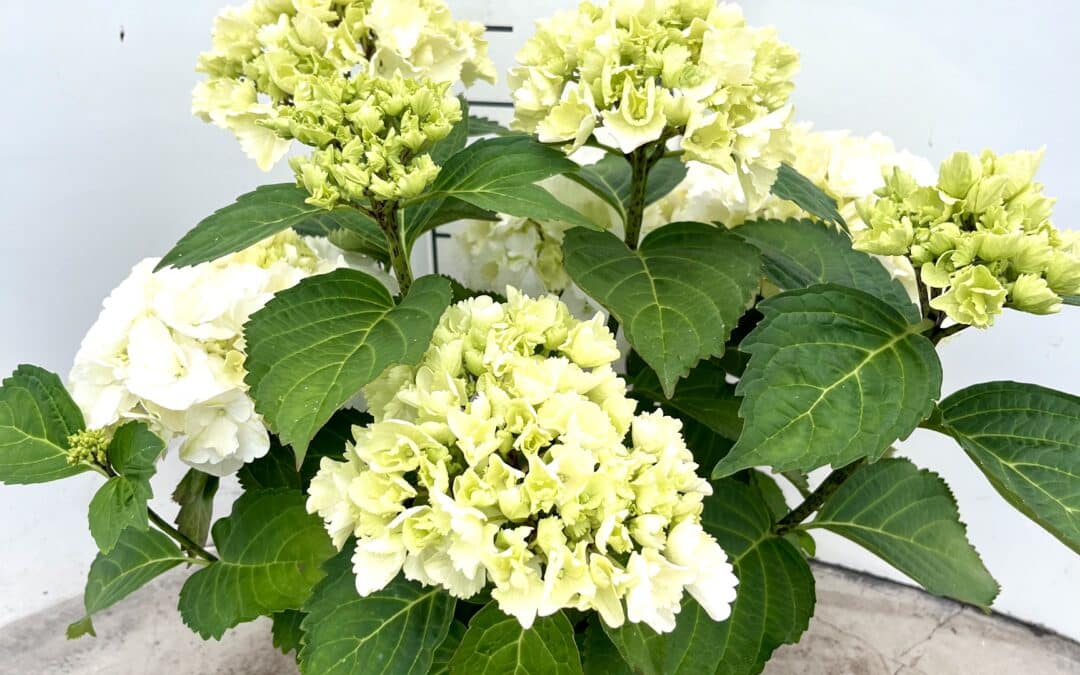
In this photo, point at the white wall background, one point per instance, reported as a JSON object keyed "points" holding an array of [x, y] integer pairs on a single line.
{"points": [[101, 166]]}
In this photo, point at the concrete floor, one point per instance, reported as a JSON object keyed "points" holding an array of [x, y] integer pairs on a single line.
{"points": [[863, 626]]}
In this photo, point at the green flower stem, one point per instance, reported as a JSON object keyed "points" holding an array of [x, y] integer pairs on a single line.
{"points": [[205, 557], [818, 497], [389, 220], [641, 161], [940, 334]]}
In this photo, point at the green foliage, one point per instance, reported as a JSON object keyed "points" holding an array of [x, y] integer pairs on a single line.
{"points": [[399, 627], [704, 395], [250, 219], [277, 468], [36, 417], [138, 557], [599, 655], [482, 126], [499, 174], [1026, 439], [271, 551], [440, 664], [795, 187], [121, 502], [773, 607], [285, 630], [677, 298], [802, 253], [835, 375], [610, 179], [195, 495], [348, 229], [313, 347], [495, 643], [908, 518]]}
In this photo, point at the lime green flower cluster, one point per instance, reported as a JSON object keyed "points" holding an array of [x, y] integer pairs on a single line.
{"points": [[88, 445], [981, 237], [511, 456], [634, 72], [264, 51], [371, 136]]}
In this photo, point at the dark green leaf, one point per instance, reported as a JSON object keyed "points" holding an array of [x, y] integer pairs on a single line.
{"points": [[610, 180], [1026, 439], [795, 187], [440, 664], [399, 628], [835, 375], [36, 418], [278, 467], [499, 174], [119, 504], [139, 556], [496, 644], [348, 229], [285, 630], [270, 552], [313, 346], [599, 656], [677, 298], [457, 139], [427, 216], [195, 495], [253, 217], [908, 518], [704, 395], [802, 253]]}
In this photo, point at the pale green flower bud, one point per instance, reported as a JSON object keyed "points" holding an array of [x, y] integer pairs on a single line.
{"points": [[89, 446], [975, 297], [1031, 293], [959, 173]]}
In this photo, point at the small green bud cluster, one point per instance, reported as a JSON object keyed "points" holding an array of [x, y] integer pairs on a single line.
{"points": [[89, 446], [981, 238], [371, 135]]}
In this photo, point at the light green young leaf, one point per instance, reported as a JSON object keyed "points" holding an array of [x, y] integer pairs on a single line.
{"points": [[36, 417], [195, 495], [270, 552], [773, 607], [138, 557], [795, 187], [677, 297], [499, 175], [835, 375], [313, 346], [399, 628], [801, 253], [1026, 439], [253, 217], [908, 518], [495, 643]]}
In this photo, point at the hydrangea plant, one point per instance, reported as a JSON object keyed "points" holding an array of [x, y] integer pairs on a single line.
{"points": [[675, 299]]}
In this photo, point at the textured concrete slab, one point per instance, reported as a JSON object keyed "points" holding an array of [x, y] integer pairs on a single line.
{"points": [[863, 626]]}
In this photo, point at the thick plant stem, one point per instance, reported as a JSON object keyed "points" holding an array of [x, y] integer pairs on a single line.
{"points": [[640, 163], [181, 538], [818, 497], [388, 220]]}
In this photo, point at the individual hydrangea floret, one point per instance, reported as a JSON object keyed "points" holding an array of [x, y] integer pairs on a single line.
{"points": [[981, 236], [371, 136], [630, 73], [511, 458], [264, 50], [168, 349]]}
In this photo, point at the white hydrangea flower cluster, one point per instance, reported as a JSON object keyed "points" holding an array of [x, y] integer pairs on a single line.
{"points": [[168, 349], [263, 50], [511, 456], [633, 72]]}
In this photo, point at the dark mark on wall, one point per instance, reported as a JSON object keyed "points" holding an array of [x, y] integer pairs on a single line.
{"points": [[122, 34]]}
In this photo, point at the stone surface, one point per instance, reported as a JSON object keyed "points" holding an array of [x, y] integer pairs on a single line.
{"points": [[862, 626]]}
